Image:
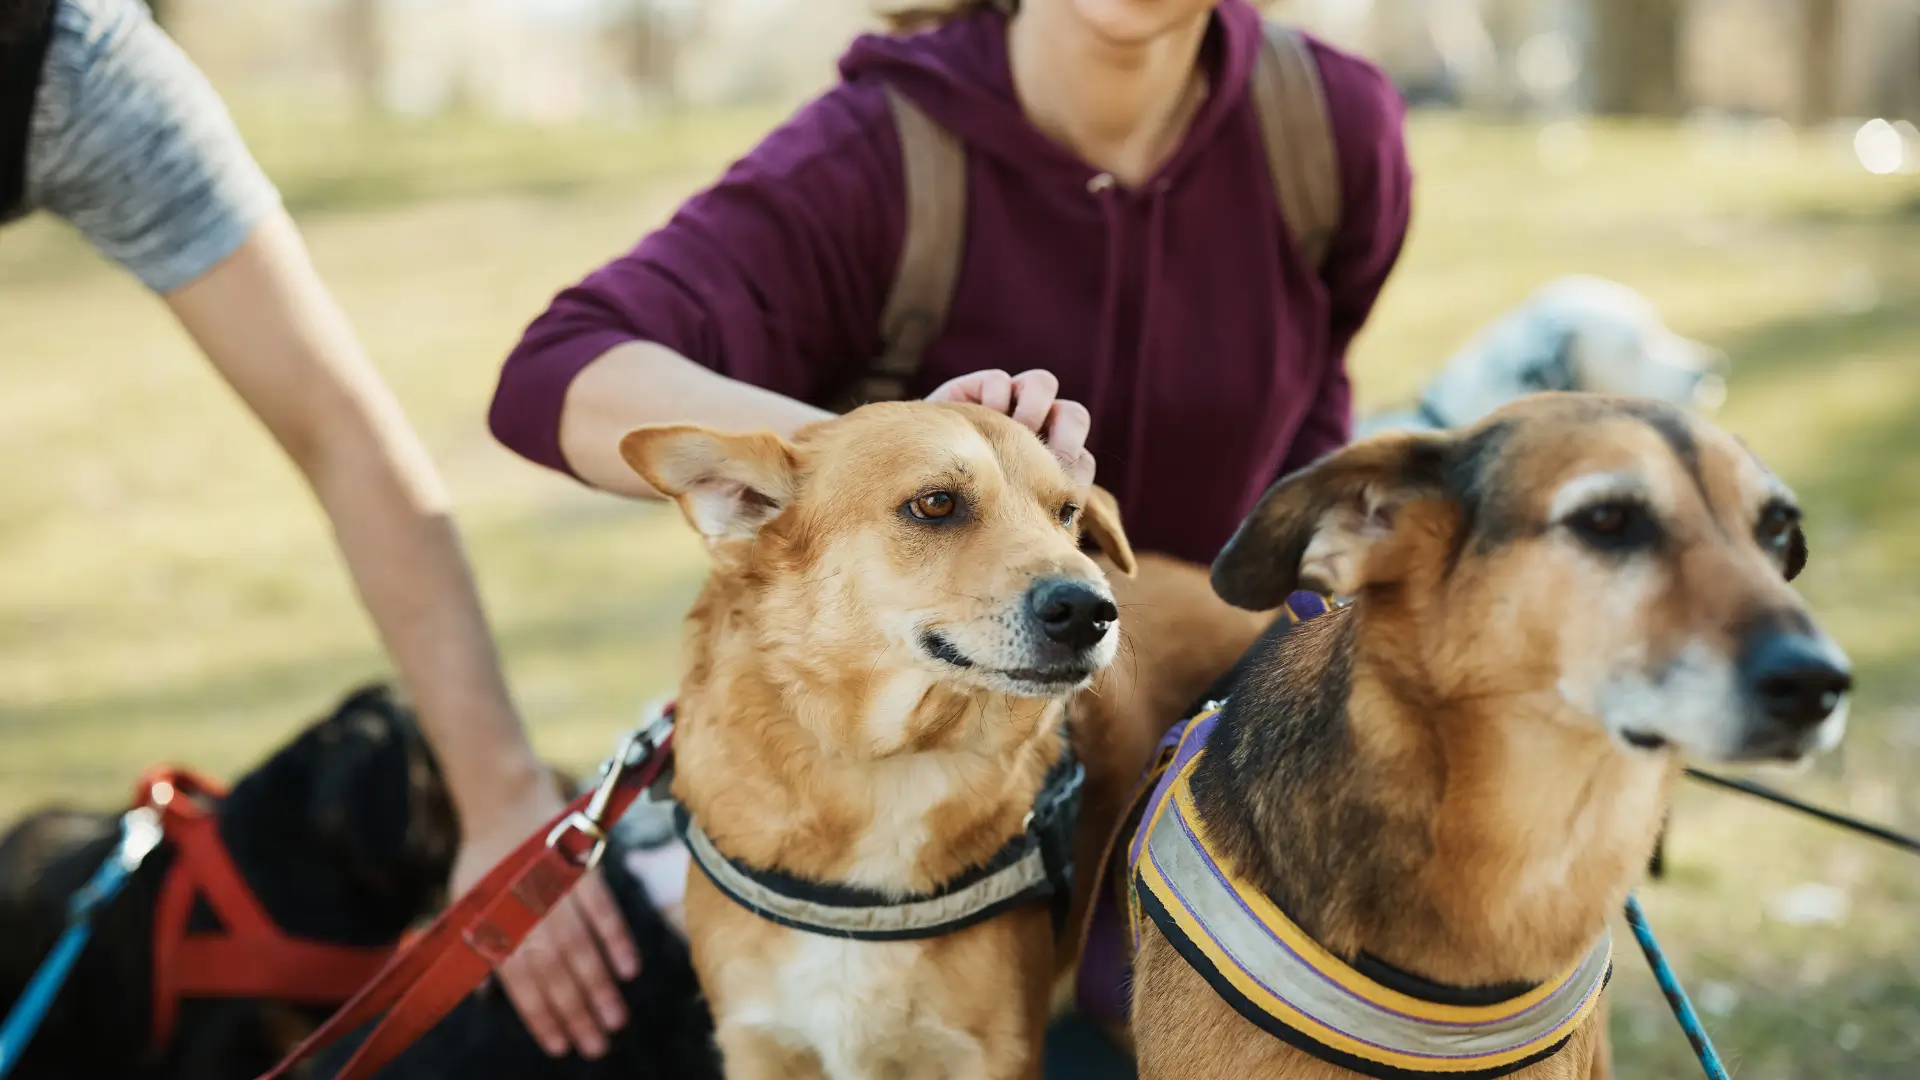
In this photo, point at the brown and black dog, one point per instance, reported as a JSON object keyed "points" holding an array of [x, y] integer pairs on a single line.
{"points": [[1460, 774]]}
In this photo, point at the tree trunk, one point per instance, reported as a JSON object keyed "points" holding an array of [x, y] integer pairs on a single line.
{"points": [[1636, 56], [363, 51], [1819, 60]]}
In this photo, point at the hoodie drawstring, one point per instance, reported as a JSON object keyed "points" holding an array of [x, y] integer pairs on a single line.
{"points": [[1142, 388], [1106, 190], [1103, 189]]}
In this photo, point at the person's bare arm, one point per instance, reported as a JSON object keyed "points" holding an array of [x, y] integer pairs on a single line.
{"points": [[641, 383], [759, 300], [267, 323]]}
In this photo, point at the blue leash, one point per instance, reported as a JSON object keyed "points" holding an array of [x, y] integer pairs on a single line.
{"points": [[1676, 997], [139, 835]]}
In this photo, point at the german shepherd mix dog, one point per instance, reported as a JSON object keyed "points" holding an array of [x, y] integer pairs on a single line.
{"points": [[1397, 848], [870, 750], [344, 836]]}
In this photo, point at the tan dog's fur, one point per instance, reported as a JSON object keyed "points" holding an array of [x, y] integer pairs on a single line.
{"points": [[1176, 638], [817, 738], [1439, 775]]}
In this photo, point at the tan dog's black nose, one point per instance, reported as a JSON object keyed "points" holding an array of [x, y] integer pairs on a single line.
{"points": [[1797, 679], [1071, 613]]}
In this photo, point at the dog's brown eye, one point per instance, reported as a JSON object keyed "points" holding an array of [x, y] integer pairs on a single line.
{"points": [[1615, 525], [933, 506], [1068, 513], [1607, 520]]}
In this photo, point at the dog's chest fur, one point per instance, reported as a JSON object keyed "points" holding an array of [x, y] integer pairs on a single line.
{"points": [[907, 792], [863, 1009]]}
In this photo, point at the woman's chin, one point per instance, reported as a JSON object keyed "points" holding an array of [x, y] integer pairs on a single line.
{"points": [[1138, 22]]}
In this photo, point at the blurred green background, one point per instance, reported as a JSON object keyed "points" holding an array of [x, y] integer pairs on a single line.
{"points": [[168, 589]]}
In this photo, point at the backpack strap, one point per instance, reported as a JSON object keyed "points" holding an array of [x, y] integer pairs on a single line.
{"points": [[1292, 106], [935, 165], [25, 34]]}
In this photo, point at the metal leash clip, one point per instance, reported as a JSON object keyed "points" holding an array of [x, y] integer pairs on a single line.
{"points": [[636, 748]]}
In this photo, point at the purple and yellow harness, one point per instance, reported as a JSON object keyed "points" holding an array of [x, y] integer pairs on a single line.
{"points": [[1277, 977]]}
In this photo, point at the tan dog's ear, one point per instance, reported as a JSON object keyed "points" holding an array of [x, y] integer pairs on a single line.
{"points": [[1101, 520], [1314, 528], [727, 485]]}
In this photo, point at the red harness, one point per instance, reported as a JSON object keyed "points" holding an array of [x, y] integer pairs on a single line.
{"points": [[249, 957]]}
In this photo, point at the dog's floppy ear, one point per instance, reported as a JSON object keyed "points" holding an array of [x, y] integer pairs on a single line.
{"points": [[727, 485], [1101, 520], [1314, 527]]}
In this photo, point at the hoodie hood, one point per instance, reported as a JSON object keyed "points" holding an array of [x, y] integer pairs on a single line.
{"points": [[959, 73]]}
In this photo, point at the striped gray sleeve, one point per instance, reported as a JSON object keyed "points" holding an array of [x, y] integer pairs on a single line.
{"points": [[132, 146]]}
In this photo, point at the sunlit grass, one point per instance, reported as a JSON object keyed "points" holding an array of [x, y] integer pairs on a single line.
{"points": [[167, 588]]}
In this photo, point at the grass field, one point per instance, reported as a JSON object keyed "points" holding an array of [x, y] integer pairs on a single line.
{"points": [[167, 589]]}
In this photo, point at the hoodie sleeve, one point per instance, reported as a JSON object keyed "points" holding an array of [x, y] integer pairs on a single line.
{"points": [[1368, 118], [775, 276]]}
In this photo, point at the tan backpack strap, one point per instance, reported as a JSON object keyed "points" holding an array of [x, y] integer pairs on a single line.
{"points": [[1292, 106], [935, 168]]}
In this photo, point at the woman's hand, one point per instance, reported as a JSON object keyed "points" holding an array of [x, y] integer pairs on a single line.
{"points": [[1030, 397], [564, 978]]}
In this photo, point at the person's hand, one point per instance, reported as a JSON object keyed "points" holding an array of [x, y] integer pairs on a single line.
{"points": [[1031, 398], [558, 979]]}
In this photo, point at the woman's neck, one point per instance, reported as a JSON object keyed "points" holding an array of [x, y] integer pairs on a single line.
{"points": [[1123, 107]]}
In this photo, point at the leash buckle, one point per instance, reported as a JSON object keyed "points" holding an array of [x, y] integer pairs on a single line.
{"points": [[579, 822], [636, 748]]}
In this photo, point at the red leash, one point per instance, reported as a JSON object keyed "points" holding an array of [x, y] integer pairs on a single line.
{"points": [[454, 956], [248, 956]]}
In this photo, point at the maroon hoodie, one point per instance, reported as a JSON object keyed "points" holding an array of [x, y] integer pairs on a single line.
{"points": [[1179, 312]]}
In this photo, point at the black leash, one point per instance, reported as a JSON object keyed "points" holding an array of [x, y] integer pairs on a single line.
{"points": [[1761, 791]]}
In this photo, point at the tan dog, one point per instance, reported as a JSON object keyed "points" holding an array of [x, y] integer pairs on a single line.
{"points": [[1454, 781], [881, 661]]}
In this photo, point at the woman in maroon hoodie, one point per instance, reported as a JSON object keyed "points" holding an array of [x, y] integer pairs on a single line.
{"points": [[1123, 241]]}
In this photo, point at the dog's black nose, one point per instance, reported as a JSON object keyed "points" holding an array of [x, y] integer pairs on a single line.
{"points": [[1073, 613], [1796, 678]]}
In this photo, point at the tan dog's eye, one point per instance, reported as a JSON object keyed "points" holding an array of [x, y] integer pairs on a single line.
{"points": [[1068, 514], [933, 506]]}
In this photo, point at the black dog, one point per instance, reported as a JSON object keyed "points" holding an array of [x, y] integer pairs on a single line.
{"points": [[345, 836], [668, 1036]]}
